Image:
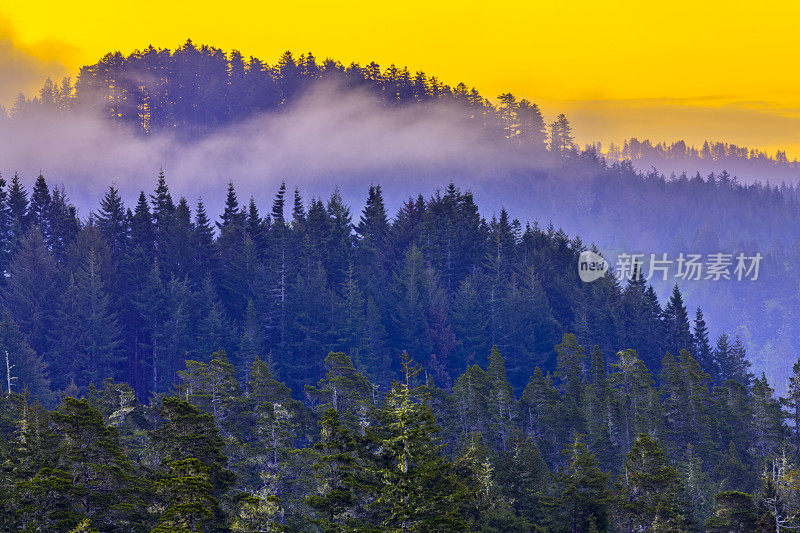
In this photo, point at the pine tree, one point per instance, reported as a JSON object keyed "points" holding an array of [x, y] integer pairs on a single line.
{"points": [[702, 347], [635, 402], [501, 402], [151, 305], [676, 322], [213, 330], [539, 408], [192, 467], [278, 205], [213, 387], [651, 495], [252, 343], [373, 232], [569, 374], [531, 125], [6, 226], [39, 209], [561, 139], [418, 489], [178, 252], [102, 476], [524, 478], [31, 494], [141, 226], [203, 239], [163, 213], [89, 337], [767, 418], [64, 224], [26, 370], [734, 511], [353, 325], [18, 207], [470, 323], [33, 290], [584, 496], [186, 493], [792, 401], [346, 390], [112, 222], [687, 400], [231, 216], [336, 470]]}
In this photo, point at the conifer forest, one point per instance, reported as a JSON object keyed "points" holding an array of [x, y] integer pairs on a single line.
{"points": [[320, 364]]}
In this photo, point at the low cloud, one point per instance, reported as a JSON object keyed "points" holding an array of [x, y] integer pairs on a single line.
{"points": [[330, 136]]}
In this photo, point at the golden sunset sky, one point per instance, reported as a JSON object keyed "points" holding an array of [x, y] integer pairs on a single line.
{"points": [[668, 70]]}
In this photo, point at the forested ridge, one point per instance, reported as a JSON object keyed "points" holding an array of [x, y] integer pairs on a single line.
{"points": [[313, 369], [301, 366], [199, 94]]}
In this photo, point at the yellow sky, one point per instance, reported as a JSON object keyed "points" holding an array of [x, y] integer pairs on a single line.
{"points": [[664, 70]]}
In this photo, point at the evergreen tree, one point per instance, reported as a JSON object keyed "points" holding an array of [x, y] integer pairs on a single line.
{"points": [[25, 369], [163, 213], [584, 497], [141, 224], [32, 292], [203, 239], [18, 208], [418, 489], [112, 222], [650, 495], [192, 466], [39, 209], [561, 139], [338, 496], [102, 482], [87, 329], [734, 511], [702, 347], [676, 323]]}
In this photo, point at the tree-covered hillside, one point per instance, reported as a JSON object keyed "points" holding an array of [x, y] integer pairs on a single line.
{"points": [[511, 158], [255, 373], [131, 293]]}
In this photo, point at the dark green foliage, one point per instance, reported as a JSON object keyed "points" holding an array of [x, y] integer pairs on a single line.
{"points": [[101, 483], [734, 511], [219, 334], [651, 495]]}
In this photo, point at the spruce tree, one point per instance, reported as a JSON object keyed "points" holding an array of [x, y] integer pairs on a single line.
{"points": [[39, 209], [112, 222], [163, 214], [734, 511], [676, 323], [192, 465], [104, 486], [418, 489], [702, 347], [337, 497], [33, 292], [203, 240], [584, 492], [26, 370], [89, 337], [650, 494], [18, 209]]}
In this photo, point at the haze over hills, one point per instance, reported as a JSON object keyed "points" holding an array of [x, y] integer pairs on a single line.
{"points": [[307, 297], [206, 117]]}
